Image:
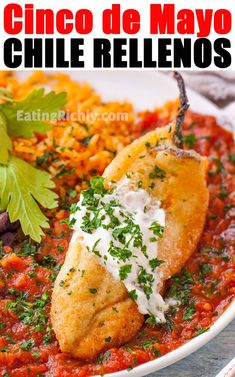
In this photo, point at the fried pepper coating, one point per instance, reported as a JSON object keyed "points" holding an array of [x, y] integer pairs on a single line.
{"points": [[91, 311]]}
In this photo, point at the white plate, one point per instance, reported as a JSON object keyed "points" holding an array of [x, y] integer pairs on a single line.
{"points": [[146, 90]]}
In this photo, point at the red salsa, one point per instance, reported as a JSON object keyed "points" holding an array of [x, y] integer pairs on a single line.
{"points": [[205, 286]]}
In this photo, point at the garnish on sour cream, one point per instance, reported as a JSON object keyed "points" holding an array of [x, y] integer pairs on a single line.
{"points": [[122, 227]]}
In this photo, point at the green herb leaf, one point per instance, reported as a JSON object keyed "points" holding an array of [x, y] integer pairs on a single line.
{"points": [[22, 188], [218, 169], [20, 114], [157, 173], [189, 311], [97, 185], [200, 330], [155, 263], [157, 229], [5, 94], [32, 314], [205, 268], [27, 345], [133, 295], [231, 157], [181, 287], [190, 140], [145, 280], [86, 140], [26, 250], [93, 291], [6, 144], [151, 320], [104, 357], [124, 271], [119, 253]]}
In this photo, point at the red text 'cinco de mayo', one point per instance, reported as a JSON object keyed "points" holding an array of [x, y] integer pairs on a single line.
{"points": [[164, 19]]}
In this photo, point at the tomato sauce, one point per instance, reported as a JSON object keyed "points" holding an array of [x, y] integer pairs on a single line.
{"points": [[205, 287]]}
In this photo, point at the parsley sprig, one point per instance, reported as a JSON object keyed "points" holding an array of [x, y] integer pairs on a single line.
{"points": [[22, 187]]}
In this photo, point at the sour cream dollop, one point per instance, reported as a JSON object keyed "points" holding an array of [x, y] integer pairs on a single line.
{"points": [[122, 227]]}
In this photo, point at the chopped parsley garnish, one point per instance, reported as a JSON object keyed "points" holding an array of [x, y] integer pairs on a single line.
{"points": [[200, 330], [219, 167], [124, 271], [27, 249], [86, 140], [157, 229], [94, 250], [169, 323], [190, 140], [9, 339], [181, 286], [97, 186], [46, 158], [133, 295], [48, 261], [31, 313], [88, 224], [131, 367], [27, 345], [146, 280], [231, 157], [120, 253], [104, 357], [60, 248], [70, 222], [72, 193], [157, 173], [93, 291], [74, 208], [36, 354], [149, 346], [205, 268], [65, 170], [189, 311], [151, 320], [225, 256], [154, 263]]}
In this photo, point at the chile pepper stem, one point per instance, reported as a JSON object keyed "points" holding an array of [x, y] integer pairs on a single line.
{"points": [[184, 105]]}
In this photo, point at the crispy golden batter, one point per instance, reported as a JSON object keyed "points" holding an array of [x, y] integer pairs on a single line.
{"points": [[86, 323], [83, 320]]}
